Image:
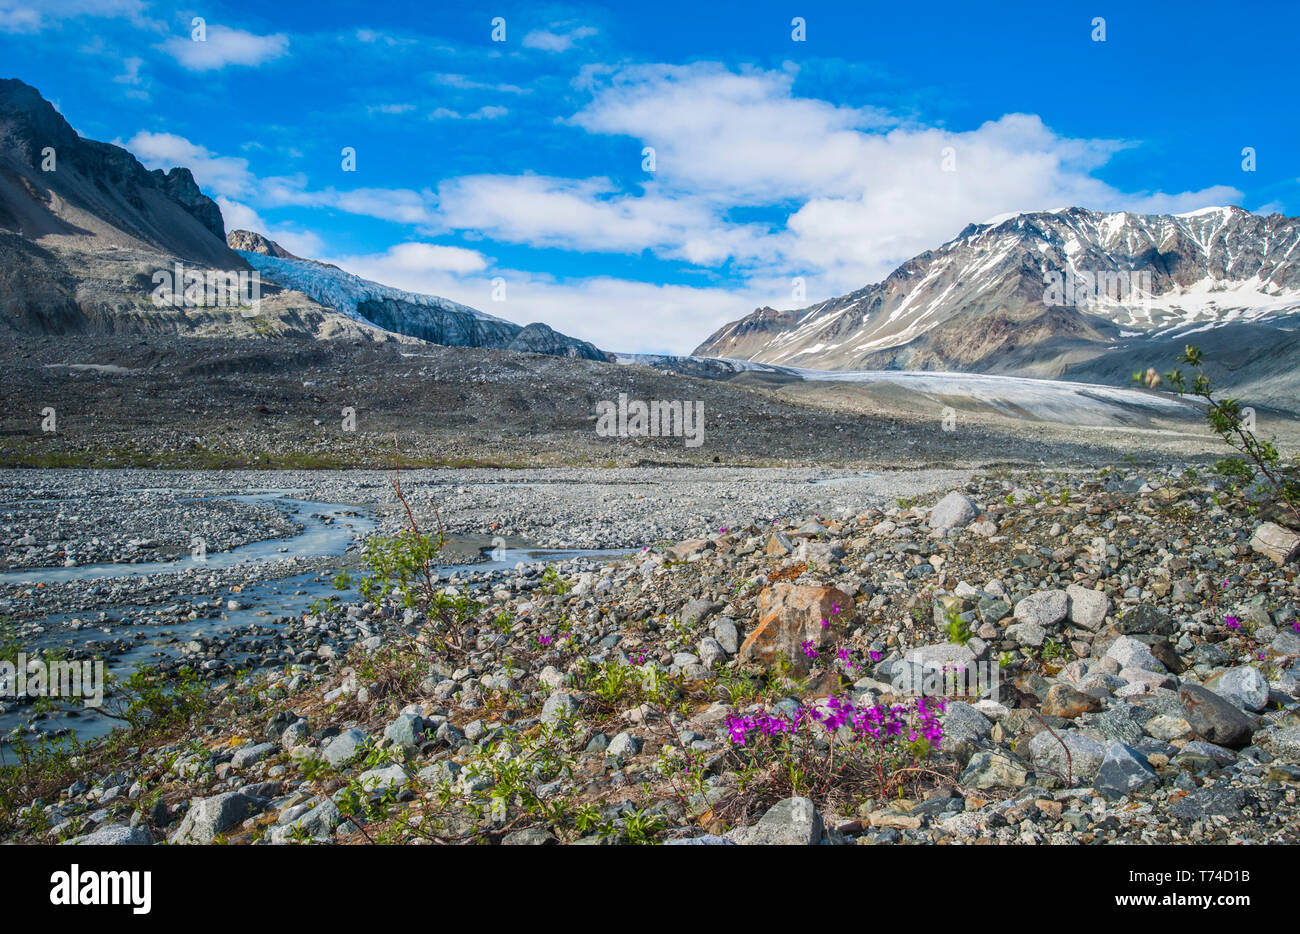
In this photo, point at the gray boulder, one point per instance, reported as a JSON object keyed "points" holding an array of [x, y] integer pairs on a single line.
{"points": [[386, 778], [1123, 771], [1046, 608], [558, 706], [343, 748], [1088, 608], [724, 630], [115, 835], [697, 611], [250, 755], [1245, 686], [624, 744], [992, 769], [1214, 718], [406, 730], [1084, 761], [954, 511], [1130, 653], [792, 822], [209, 817]]}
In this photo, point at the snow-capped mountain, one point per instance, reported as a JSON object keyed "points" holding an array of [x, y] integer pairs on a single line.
{"points": [[1041, 293], [427, 317]]}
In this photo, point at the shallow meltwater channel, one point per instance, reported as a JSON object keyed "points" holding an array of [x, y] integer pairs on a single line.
{"points": [[128, 636], [327, 530]]}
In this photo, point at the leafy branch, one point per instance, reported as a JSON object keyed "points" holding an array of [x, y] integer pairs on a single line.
{"points": [[1228, 418]]}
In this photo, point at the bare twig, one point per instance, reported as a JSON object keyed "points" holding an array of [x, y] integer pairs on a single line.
{"points": [[1069, 763]]}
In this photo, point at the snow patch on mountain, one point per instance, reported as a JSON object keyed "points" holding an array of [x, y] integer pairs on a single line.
{"points": [[1024, 289]]}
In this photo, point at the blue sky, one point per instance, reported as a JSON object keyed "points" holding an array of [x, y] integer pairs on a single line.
{"points": [[829, 160]]}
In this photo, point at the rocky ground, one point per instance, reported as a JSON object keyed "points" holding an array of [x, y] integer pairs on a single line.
{"points": [[57, 524], [1147, 659], [214, 403], [556, 509]]}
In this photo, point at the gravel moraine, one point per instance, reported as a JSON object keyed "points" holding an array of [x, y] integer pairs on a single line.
{"points": [[1148, 663]]}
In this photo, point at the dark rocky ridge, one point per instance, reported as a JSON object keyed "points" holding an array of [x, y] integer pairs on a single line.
{"points": [[81, 244], [165, 210]]}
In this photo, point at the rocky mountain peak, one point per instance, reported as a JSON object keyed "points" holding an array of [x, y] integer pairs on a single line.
{"points": [[250, 241], [1037, 292], [111, 181]]}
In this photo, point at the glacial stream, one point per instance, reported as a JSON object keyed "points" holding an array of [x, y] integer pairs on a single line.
{"points": [[327, 530]]}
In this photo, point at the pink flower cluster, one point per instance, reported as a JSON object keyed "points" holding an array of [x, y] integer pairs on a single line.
{"points": [[913, 722]]}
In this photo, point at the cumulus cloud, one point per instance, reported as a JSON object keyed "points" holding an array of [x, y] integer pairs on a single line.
{"points": [[614, 314], [867, 190], [752, 181], [225, 46], [240, 216], [408, 265], [224, 175], [583, 214]]}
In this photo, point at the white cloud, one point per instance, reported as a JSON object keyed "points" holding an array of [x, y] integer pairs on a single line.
{"points": [[19, 18], [374, 36], [240, 216], [389, 108], [224, 175], [577, 214], [845, 194], [409, 265], [401, 205], [559, 38], [614, 314], [24, 16], [868, 190], [225, 46], [487, 112], [741, 137], [230, 177], [466, 83], [131, 71]]}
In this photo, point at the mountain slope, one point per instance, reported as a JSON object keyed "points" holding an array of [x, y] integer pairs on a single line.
{"points": [[85, 230], [89, 237], [1037, 294], [55, 184]]}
